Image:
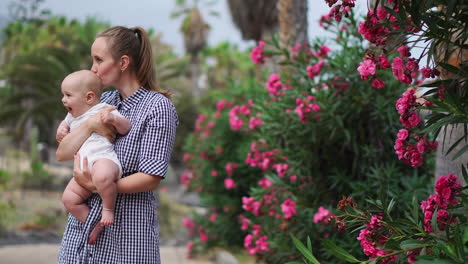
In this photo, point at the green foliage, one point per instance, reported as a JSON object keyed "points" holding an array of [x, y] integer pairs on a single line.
{"points": [[406, 235], [37, 55], [346, 148]]}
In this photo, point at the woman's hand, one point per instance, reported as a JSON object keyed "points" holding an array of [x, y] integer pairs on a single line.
{"points": [[96, 123], [83, 177]]}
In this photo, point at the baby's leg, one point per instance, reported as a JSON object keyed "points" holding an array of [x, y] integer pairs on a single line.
{"points": [[105, 173], [73, 198]]}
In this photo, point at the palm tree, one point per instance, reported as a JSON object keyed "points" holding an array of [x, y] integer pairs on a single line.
{"points": [[44, 52], [256, 19]]}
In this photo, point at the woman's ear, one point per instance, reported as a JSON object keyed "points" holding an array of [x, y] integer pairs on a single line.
{"points": [[124, 63]]}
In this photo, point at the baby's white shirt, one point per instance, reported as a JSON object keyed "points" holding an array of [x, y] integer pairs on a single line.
{"points": [[96, 146]]}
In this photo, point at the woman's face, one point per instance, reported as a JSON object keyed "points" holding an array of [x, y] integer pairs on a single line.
{"points": [[104, 65]]}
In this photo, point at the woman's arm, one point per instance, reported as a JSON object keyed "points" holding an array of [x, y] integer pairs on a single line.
{"points": [[137, 182], [72, 142]]}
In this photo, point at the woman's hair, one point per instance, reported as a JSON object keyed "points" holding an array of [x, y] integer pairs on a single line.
{"points": [[135, 43]]}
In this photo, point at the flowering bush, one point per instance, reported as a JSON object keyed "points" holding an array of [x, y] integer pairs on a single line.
{"points": [[439, 238], [318, 131]]}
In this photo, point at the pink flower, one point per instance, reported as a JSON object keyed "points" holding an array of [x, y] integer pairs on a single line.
{"points": [[230, 168], [384, 63], [402, 134], [281, 169], [188, 222], [186, 157], [189, 247], [213, 217], [366, 68], [185, 178], [323, 216], [214, 173], [254, 123], [288, 208], [245, 222], [377, 83], [221, 104], [258, 54], [229, 183], [404, 51], [323, 52], [203, 235], [265, 183], [262, 244]]}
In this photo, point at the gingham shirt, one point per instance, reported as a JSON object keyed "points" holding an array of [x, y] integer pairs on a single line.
{"points": [[134, 236]]}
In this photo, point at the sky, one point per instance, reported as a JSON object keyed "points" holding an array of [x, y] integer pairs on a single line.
{"points": [[156, 14]]}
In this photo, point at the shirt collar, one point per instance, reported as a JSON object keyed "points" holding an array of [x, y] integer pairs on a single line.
{"points": [[132, 100]]}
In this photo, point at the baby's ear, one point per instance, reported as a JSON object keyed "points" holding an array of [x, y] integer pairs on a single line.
{"points": [[90, 97]]}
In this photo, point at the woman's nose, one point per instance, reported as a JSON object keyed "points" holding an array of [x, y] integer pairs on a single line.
{"points": [[94, 68]]}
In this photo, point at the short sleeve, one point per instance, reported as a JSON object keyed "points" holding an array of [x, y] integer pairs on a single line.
{"points": [[115, 112], [68, 118], [158, 139]]}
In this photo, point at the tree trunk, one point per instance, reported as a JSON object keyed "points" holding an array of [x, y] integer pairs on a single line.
{"points": [[195, 75], [444, 163], [292, 17], [451, 133]]}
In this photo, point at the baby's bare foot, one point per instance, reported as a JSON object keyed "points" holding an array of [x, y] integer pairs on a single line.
{"points": [[97, 230], [107, 216]]}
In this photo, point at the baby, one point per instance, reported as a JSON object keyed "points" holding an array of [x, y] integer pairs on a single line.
{"points": [[81, 97]]}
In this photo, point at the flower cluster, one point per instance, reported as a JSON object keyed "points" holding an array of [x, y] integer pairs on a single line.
{"points": [[275, 87], [239, 115], [263, 160], [301, 49], [405, 68], [314, 70], [411, 153], [446, 187], [368, 68], [341, 9], [304, 108], [323, 216], [255, 243], [370, 237], [288, 208], [258, 54]]}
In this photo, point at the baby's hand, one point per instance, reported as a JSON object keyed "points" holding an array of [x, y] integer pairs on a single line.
{"points": [[107, 117], [62, 131]]}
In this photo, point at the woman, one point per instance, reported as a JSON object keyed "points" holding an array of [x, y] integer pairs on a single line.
{"points": [[122, 58]]}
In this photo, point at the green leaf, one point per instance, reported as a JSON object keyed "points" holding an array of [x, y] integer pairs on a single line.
{"points": [[309, 244], [339, 252], [293, 262], [307, 254], [465, 175], [434, 261], [455, 144], [390, 206], [411, 244], [459, 153], [449, 67]]}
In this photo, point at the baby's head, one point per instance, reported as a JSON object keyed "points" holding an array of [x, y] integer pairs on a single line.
{"points": [[81, 90]]}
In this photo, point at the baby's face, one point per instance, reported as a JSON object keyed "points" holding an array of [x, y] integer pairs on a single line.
{"points": [[74, 100]]}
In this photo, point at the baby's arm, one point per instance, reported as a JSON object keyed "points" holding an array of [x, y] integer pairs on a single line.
{"points": [[121, 124], [62, 131]]}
